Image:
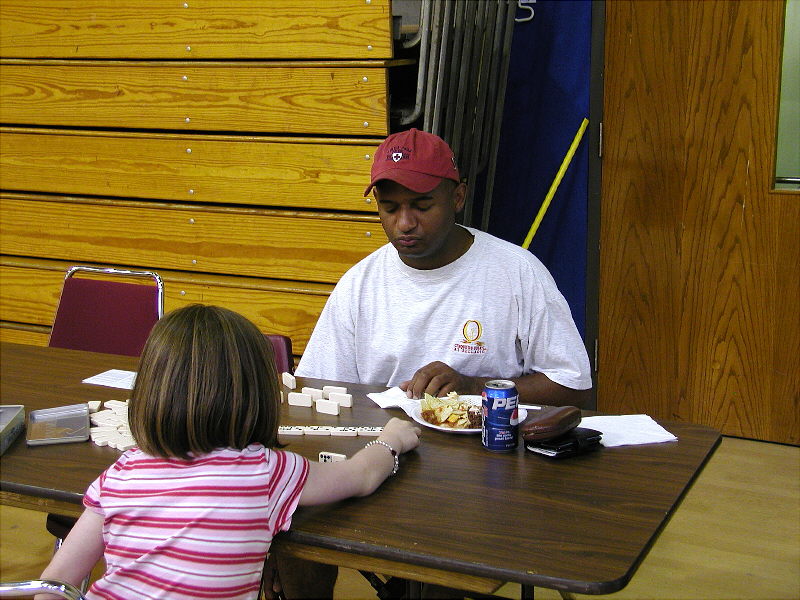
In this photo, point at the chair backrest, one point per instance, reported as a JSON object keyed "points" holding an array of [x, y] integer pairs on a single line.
{"points": [[107, 313], [282, 345]]}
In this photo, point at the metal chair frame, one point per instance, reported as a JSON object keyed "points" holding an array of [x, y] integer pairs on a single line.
{"points": [[25, 589], [76, 326], [126, 273]]}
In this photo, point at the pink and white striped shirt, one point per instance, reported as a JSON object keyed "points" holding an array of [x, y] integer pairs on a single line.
{"points": [[192, 529]]}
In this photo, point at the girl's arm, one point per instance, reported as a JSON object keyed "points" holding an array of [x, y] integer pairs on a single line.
{"points": [[364, 472], [79, 553]]}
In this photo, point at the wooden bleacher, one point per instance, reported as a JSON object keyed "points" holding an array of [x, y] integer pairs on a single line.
{"points": [[200, 29], [311, 173], [301, 97], [224, 144]]}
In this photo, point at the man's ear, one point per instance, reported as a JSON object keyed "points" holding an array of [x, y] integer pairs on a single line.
{"points": [[459, 197]]}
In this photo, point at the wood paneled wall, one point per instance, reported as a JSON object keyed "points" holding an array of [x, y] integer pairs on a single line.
{"points": [[300, 97], [225, 144], [308, 173], [699, 288], [196, 29]]}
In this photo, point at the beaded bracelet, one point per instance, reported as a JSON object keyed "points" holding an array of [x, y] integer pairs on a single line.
{"points": [[392, 450]]}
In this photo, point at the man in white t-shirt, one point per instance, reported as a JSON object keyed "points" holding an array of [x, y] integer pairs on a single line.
{"points": [[443, 307], [439, 308]]}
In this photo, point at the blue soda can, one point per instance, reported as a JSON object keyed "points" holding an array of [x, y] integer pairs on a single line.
{"points": [[500, 415]]}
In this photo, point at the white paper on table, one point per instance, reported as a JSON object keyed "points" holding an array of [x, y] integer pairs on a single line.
{"points": [[626, 430], [394, 398], [116, 378]]}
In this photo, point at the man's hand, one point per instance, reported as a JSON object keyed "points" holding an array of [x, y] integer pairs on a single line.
{"points": [[439, 379]]}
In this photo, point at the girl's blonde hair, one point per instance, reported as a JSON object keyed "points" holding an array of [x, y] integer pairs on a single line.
{"points": [[206, 380]]}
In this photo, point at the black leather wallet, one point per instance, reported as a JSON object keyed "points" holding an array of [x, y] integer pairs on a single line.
{"points": [[576, 441]]}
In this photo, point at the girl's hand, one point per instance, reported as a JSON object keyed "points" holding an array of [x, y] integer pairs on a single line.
{"points": [[401, 435]]}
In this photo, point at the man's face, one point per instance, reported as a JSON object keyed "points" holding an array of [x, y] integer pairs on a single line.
{"points": [[422, 227]]}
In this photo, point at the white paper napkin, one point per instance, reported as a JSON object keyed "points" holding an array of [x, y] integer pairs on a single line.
{"points": [[626, 430], [394, 398], [389, 398]]}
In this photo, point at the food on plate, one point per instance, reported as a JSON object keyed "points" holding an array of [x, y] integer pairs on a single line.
{"points": [[450, 412]]}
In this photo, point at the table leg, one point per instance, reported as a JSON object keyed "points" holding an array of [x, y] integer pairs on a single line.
{"points": [[414, 590], [526, 592]]}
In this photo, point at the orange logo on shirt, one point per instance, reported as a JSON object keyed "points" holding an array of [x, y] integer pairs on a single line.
{"points": [[471, 344], [472, 330]]}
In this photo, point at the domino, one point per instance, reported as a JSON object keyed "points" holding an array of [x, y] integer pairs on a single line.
{"points": [[344, 431], [315, 393], [328, 407], [107, 417], [327, 390], [110, 426], [288, 380], [122, 443], [325, 457], [317, 430], [299, 399], [342, 399], [111, 438], [117, 406], [102, 429], [290, 430], [370, 431]]}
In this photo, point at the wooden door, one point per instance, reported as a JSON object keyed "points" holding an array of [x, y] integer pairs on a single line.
{"points": [[699, 291]]}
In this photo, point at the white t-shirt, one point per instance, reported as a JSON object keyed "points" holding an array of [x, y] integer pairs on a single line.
{"points": [[493, 312]]}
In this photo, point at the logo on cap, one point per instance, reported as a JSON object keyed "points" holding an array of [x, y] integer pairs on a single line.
{"points": [[398, 152]]}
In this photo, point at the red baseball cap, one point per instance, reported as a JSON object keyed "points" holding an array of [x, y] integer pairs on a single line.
{"points": [[415, 159]]}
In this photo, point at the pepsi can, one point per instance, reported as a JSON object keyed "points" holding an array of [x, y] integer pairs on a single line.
{"points": [[500, 416]]}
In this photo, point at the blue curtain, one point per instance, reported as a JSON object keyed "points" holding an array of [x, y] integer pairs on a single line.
{"points": [[546, 100]]}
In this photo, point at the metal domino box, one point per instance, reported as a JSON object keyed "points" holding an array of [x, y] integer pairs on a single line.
{"points": [[12, 420]]}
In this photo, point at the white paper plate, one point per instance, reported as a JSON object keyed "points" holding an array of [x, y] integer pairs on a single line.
{"points": [[416, 414]]}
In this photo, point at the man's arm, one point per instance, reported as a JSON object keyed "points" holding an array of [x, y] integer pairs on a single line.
{"points": [[438, 379], [330, 352]]}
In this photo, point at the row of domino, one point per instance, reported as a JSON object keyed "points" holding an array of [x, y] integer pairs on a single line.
{"points": [[326, 430], [329, 400], [111, 425]]}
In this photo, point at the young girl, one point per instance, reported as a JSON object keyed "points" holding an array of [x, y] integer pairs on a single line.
{"points": [[192, 511]]}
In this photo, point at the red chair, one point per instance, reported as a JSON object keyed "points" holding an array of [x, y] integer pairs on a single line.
{"points": [[107, 313], [282, 346]]}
